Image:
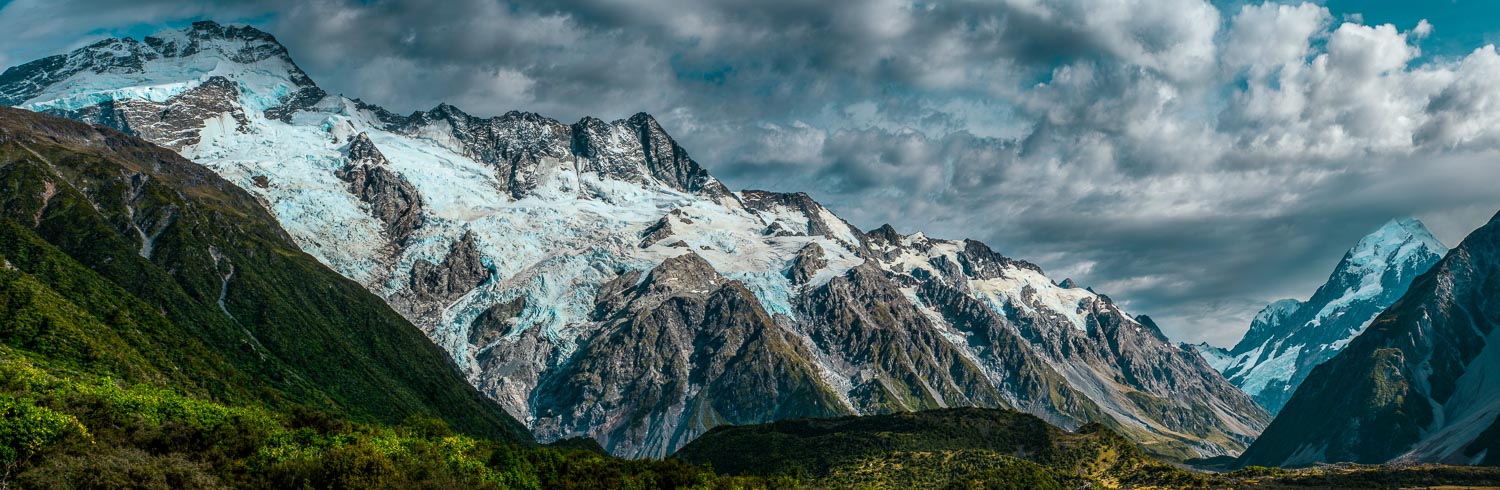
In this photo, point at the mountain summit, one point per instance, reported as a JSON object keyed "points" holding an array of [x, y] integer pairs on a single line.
{"points": [[1418, 385], [1289, 338], [597, 281]]}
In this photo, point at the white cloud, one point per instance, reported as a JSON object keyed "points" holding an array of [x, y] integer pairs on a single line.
{"points": [[1264, 38]]}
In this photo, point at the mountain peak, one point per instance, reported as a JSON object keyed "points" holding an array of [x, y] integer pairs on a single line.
{"points": [[159, 67], [1397, 232], [1417, 386], [1287, 338], [1397, 242], [642, 119]]}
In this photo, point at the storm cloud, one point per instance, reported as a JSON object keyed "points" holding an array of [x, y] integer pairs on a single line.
{"points": [[1193, 160]]}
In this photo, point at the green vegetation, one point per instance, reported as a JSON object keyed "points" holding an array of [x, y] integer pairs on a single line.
{"points": [[62, 429], [999, 449], [1353, 476], [1004, 449]]}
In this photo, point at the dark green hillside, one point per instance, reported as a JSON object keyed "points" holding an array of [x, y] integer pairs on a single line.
{"points": [[124, 259], [933, 449], [64, 429]]}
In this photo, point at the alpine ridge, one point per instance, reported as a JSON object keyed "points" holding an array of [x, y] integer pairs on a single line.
{"points": [[1289, 338], [597, 281], [1417, 386]]}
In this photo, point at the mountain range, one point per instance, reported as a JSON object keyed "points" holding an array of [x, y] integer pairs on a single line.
{"points": [[1289, 338], [595, 280], [1418, 385]]}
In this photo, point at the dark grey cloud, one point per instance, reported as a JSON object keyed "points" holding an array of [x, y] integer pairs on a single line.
{"points": [[1191, 162]]}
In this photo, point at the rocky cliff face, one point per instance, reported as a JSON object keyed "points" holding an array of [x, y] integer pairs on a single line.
{"points": [[681, 352], [1289, 338], [1418, 385], [391, 199], [597, 281]]}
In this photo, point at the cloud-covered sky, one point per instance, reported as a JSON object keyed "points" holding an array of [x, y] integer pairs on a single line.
{"points": [[1194, 160]]}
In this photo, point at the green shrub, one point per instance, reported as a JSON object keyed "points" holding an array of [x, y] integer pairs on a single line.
{"points": [[27, 430]]}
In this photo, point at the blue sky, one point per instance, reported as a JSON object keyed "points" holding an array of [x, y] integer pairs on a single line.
{"points": [[1462, 25], [1193, 160]]}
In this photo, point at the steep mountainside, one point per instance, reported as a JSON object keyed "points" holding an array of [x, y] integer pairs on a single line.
{"points": [[126, 258], [1418, 385], [597, 281], [1289, 338]]}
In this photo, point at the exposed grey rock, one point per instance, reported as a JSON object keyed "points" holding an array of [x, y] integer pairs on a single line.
{"points": [[816, 224], [495, 321], [175, 123], [517, 144], [362, 151], [980, 262], [1028, 382], [656, 232], [682, 351], [896, 357], [668, 162], [461, 271], [391, 199], [808, 262]]}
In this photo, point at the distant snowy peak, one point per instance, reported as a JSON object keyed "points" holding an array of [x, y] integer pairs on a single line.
{"points": [[1419, 386], [1290, 337], [1388, 250], [161, 66]]}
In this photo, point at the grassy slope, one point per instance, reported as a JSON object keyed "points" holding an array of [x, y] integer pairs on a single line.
{"points": [[985, 448], [290, 332], [63, 429], [932, 448]]}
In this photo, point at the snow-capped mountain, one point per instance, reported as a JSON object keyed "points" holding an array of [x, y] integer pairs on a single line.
{"points": [[1289, 338], [597, 281], [1419, 385]]}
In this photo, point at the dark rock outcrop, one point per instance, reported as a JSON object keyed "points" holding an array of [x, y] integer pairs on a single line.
{"points": [[806, 264], [391, 199], [813, 214], [461, 271], [495, 321]]}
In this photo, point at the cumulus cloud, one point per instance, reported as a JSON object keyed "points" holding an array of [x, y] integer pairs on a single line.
{"points": [[1193, 163]]}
